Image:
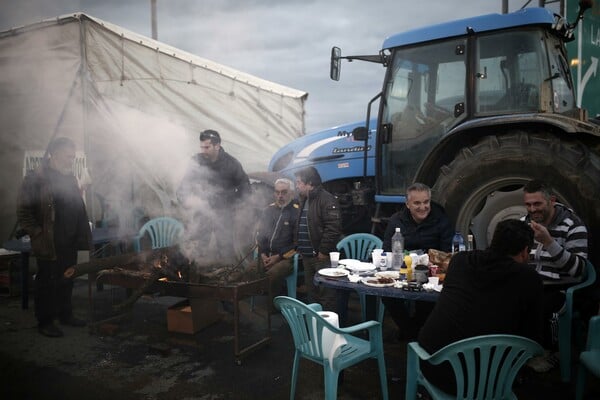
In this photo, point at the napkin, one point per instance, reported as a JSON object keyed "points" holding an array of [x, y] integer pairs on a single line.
{"points": [[354, 278], [331, 342], [422, 259]]}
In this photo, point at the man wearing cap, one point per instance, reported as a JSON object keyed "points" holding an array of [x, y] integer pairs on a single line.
{"points": [[212, 186]]}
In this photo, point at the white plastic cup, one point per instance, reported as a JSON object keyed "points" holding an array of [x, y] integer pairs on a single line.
{"points": [[334, 257], [434, 280]]}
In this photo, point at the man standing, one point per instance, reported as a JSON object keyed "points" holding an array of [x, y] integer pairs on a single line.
{"points": [[319, 230], [424, 226], [276, 235], [52, 212], [561, 250], [486, 292], [212, 186]]}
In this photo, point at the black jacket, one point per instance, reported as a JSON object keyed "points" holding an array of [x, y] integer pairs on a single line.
{"points": [[52, 220], [221, 183], [324, 220], [484, 293], [435, 232], [277, 228]]}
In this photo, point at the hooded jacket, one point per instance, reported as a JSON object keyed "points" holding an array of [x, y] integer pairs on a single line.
{"points": [[484, 293]]}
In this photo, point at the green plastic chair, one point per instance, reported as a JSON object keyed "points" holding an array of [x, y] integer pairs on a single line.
{"points": [[307, 328], [163, 232], [484, 366], [359, 246], [566, 318], [589, 360]]}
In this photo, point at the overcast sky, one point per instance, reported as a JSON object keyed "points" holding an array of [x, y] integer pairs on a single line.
{"points": [[284, 41]]}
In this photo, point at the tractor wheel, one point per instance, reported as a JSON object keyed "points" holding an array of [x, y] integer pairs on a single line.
{"points": [[483, 184]]}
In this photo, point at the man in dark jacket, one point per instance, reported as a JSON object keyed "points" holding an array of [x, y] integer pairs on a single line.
{"points": [[275, 236], [319, 230], [424, 226], [213, 185], [490, 291], [52, 212]]}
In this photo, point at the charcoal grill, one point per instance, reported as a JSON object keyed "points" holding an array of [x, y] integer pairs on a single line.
{"points": [[233, 292]]}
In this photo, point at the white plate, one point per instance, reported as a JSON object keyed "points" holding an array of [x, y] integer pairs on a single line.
{"points": [[357, 265], [334, 272], [373, 282], [388, 274]]}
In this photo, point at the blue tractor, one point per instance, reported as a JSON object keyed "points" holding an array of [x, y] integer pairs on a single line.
{"points": [[474, 108]]}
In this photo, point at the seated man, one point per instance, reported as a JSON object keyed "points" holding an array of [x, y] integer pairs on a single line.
{"points": [[424, 226], [561, 250], [275, 236], [485, 292]]}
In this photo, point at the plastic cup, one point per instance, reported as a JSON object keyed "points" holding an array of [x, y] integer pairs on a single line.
{"points": [[434, 280], [334, 257]]}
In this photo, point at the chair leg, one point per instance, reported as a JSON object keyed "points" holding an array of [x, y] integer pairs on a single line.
{"points": [[294, 375], [331, 382], [382, 376], [580, 386], [412, 371], [564, 348]]}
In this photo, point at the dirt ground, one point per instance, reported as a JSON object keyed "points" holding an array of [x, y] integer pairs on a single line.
{"points": [[138, 358]]}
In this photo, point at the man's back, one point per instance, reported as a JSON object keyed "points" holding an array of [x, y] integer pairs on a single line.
{"points": [[484, 293]]}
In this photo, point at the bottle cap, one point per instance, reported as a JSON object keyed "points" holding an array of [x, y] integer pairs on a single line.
{"points": [[397, 229]]}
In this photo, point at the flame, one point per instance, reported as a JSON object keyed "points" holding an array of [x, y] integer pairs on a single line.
{"points": [[179, 274], [164, 279]]}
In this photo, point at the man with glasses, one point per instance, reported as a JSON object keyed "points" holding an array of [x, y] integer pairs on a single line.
{"points": [[275, 236], [213, 185]]}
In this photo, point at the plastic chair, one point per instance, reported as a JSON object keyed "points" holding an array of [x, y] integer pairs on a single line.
{"points": [[307, 328], [291, 281], [359, 246], [589, 360], [565, 322], [484, 366], [163, 232]]}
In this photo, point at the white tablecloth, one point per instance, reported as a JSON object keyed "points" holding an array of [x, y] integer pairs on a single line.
{"points": [[331, 342]]}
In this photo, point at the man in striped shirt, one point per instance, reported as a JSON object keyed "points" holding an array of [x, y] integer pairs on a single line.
{"points": [[560, 250]]}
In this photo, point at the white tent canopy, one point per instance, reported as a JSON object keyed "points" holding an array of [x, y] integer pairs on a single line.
{"points": [[133, 105]]}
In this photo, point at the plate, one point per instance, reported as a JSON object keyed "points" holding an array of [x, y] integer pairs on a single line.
{"points": [[357, 265], [373, 282], [388, 274], [333, 272]]}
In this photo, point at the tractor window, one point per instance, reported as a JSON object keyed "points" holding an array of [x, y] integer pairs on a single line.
{"points": [[425, 87], [509, 72], [563, 98]]}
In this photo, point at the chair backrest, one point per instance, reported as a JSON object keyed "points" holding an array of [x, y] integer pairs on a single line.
{"points": [[306, 325], [359, 246], [163, 231], [486, 366], [593, 338]]}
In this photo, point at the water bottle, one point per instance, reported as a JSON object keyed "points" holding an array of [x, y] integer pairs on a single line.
{"points": [[458, 243], [470, 243], [397, 250]]}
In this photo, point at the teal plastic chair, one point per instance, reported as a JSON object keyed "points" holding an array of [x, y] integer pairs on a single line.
{"points": [[307, 328], [291, 281], [163, 232], [484, 366], [566, 318], [589, 359], [359, 246]]}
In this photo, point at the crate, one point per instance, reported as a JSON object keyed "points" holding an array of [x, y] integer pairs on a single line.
{"points": [[191, 316], [10, 275]]}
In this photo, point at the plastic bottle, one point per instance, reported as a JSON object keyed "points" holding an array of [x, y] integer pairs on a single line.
{"points": [[397, 250], [458, 243], [470, 243]]}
